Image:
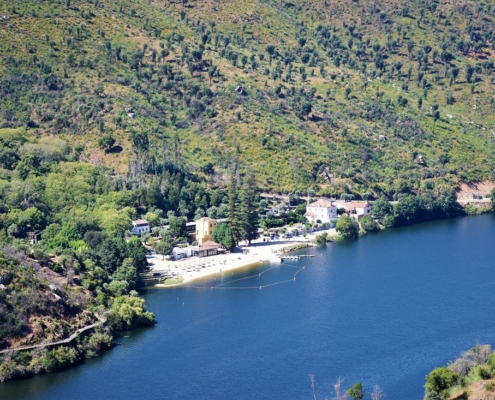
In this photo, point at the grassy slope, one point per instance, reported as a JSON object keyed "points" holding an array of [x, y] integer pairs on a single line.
{"points": [[286, 151]]}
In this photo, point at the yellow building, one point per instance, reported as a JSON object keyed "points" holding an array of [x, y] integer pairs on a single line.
{"points": [[204, 229]]}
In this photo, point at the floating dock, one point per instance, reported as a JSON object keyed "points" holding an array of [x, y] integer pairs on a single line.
{"points": [[283, 258]]}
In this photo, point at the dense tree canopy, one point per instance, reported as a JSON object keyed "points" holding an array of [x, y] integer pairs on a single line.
{"points": [[164, 248], [440, 380], [223, 235], [347, 227], [382, 207], [368, 224]]}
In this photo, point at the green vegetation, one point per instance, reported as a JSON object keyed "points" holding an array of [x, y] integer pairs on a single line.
{"points": [[111, 110], [473, 365], [81, 266], [36, 309], [294, 247], [164, 248], [86, 248], [26, 363], [368, 224], [411, 209], [173, 281], [18, 304], [242, 211], [356, 391], [347, 227], [439, 381], [385, 100], [128, 312], [322, 239], [223, 235], [286, 216]]}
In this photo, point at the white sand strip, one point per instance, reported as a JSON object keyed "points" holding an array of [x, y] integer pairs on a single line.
{"points": [[195, 268]]}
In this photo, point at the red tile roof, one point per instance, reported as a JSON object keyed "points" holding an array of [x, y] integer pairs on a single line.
{"points": [[208, 245], [352, 205]]}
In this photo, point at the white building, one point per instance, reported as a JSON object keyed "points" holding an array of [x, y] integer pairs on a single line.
{"points": [[355, 209], [181, 252], [322, 210], [140, 227]]}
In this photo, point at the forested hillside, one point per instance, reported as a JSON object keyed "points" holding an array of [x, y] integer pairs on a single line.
{"points": [[343, 96], [111, 110], [67, 252], [39, 306]]}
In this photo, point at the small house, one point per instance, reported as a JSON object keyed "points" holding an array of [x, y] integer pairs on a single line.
{"points": [[355, 209], [208, 248], [181, 252], [140, 227]]}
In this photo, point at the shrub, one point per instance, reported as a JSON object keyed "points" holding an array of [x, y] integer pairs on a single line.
{"points": [[388, 221], [356, 391], [440, 380], [322, 239], [60, 357], [92, 345], [491, 361], [471, 209], [347, 228], [462, 366], [129, 312], [369, 225], [57, 268], [9, 370], [484, 372]]}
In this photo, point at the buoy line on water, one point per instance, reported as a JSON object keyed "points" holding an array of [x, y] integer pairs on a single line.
{"points": [[222, 286]]}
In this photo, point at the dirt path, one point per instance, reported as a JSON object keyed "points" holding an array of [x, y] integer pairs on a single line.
{"points": [[102, 320]]}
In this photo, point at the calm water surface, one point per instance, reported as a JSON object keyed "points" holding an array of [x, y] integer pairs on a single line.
{"points": [[384, 310]]}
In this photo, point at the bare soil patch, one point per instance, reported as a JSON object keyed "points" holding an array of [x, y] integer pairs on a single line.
{"points": [[467, 190], [476, 391]]}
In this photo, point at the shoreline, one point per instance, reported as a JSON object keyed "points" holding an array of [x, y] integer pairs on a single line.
{"points": [[209, 276], [258, 253]]}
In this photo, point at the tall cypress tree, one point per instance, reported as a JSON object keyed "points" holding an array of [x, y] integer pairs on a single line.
{"points": [[248, 210], [233, 211]]}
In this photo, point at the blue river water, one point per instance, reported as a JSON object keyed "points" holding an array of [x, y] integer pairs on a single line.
{"points": [[383, 310]]}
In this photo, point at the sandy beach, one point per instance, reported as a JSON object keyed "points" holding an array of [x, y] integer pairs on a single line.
{"points": [[195, 268]]}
